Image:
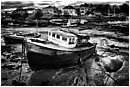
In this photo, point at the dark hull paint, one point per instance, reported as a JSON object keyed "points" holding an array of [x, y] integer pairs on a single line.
{"points": [[50, 58], [12, 40]]}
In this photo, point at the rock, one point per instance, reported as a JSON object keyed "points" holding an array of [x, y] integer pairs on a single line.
{"points": [[6, 54], [11, 66], [6, 48], [5, 78], [112, 63], [16, 83], [15, 60], [25, 68], [12, 56], [17, 67], [3, 66], [58, 77], [3, 60]]}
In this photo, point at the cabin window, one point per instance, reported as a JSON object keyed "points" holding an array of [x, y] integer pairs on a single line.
{"points": [[49, 33], [64, 38], [53, 35], [71, 39], [54, 11], [58, 36], [82, 12], [82, 8]]}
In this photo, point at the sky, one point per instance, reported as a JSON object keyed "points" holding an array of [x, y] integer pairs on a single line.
{"points": [[60, 2], [65, 2]]}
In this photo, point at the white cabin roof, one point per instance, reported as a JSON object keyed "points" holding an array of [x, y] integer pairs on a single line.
{"points": [[63, 33]]}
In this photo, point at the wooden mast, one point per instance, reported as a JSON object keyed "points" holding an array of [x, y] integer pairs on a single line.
{"points": [[36, 26]]}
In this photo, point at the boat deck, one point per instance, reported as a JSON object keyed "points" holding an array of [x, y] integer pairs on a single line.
{"points": [[45, 43]]}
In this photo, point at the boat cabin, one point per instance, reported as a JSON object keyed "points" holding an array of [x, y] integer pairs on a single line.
{"points": [[62, 38]]}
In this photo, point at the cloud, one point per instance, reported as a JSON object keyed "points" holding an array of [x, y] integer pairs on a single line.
{"points": [[24, 3], [15, 4], [43, 3]]}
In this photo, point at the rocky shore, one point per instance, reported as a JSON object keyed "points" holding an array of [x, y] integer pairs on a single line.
{"points": [[87, 74], [15, 70]]}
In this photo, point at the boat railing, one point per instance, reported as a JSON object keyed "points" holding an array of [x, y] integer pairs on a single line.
{"points": [[71, 42], [40, 41]]}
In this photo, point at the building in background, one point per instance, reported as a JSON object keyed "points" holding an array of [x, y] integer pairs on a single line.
{"points": [[69, 10], [84, 8], [29, 9], [51, 10]]}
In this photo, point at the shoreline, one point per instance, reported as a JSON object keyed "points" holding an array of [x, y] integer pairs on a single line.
{"points": [[91, 32]]}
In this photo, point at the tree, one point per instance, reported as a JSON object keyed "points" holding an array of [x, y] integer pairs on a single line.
{"points": [[115, 9], [66, 12], [124, 9], [106, 9], [99, 7], [19, 14], [37, 14]]}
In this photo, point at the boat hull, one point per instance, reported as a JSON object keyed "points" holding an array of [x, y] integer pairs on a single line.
{"points": [[11, 39], [42, 57]]}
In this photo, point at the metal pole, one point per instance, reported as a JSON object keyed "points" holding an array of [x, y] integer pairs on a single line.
{"points": [[36, 25], [23, 49]]}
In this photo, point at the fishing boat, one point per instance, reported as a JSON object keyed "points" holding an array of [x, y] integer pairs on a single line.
{"points": [[71, 23], [60, 49], [19, 37], [58, 22]]}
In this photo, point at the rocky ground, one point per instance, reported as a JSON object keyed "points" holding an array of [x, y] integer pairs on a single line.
{"points": [[88, 74]]}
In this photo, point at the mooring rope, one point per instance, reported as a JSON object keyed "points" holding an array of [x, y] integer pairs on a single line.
{"points": [[23, 55], [107, 75]]}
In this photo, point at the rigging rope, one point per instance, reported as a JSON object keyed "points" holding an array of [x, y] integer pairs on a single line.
{"points": [[107, 75]]}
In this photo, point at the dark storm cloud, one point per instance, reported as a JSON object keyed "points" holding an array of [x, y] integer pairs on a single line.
{"points": [[10, 2], [15, 4], [43, 3]]}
